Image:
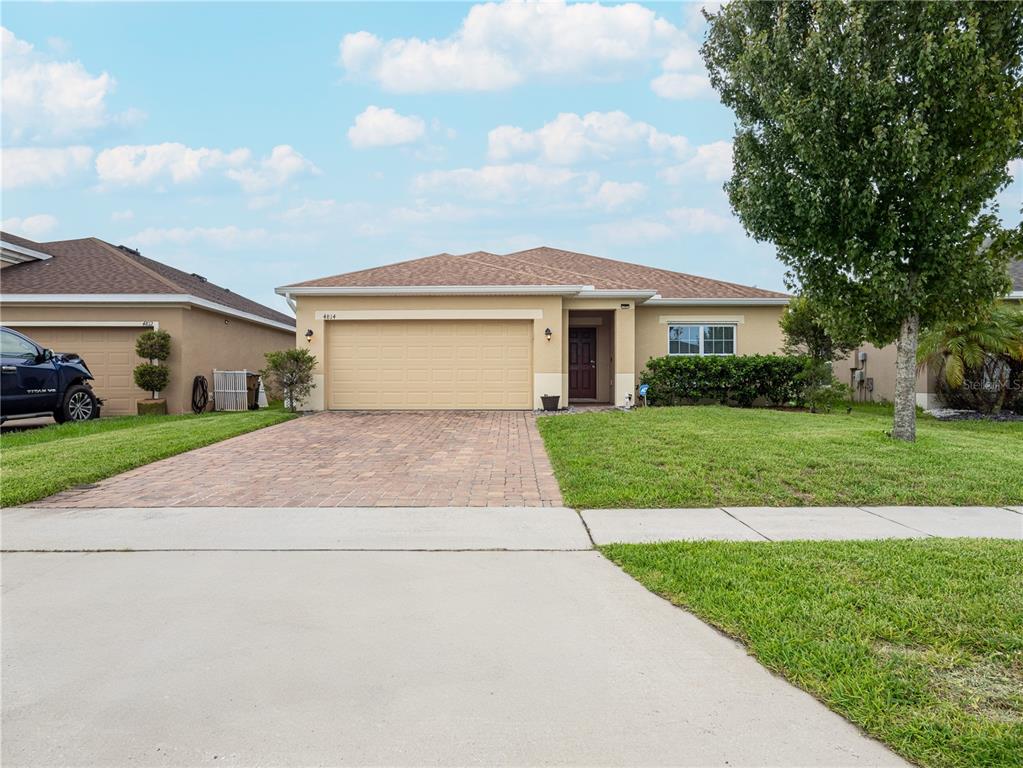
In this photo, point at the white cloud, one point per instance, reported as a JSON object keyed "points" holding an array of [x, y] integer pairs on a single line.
{"points": [[682, 85], [156, 163], [227, 238], [634, 231], [27, 166], [282, 165], [383, 127], [32, 227], [699, 220], [499, 45], [309, 209], [674, 224], [126, 215], [144, 164], [48, 100], [519, 182], [59, 45], [570, 138], [712, 162], [505, 182], [424, 213], [615, 194]]}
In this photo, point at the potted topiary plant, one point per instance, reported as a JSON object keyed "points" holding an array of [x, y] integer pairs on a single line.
{"points": [[153, 377]]}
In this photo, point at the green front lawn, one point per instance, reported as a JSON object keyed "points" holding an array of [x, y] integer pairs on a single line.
{"points": [[38, 462], [917, 642], [700, 456]]}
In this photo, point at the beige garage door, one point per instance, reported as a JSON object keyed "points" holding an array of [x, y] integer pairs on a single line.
{"points": [[429, 364], [110, 355]]}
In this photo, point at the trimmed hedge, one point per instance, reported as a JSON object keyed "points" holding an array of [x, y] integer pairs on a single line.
{"points": [[729, 380]]}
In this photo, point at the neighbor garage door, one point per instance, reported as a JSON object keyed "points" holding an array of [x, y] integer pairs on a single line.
{"points": [[429, 364], [110, 355]]}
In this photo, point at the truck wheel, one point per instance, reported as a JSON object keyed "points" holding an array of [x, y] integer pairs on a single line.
{"points": [[79, 405]]}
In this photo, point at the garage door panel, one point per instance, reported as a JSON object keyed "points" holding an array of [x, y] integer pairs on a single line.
{"points": [[429, 364], [110, 355]]}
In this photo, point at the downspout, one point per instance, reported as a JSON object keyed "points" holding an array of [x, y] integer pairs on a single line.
{"points": [[291, 303]]}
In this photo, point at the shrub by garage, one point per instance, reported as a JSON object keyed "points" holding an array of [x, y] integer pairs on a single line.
{"points": [[740, 380]]}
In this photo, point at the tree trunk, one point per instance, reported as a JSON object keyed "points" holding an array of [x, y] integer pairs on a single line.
{"points": [[905, 380]]}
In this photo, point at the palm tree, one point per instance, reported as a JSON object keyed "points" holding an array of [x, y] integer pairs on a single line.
{"points": [[977, 351]]}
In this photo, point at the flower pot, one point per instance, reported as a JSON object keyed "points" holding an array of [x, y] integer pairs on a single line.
{"points": [[550, 402], [152, 407]]}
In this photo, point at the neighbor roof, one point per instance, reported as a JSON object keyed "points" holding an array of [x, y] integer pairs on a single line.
{"points": [[7, 237], [1016, 275], [92, 266], [539, 267]]}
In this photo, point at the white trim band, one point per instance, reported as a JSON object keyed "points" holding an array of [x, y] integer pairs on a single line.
{"points": [[84, 324], [429, 314], [139, 298], [775, 302], [19, 254], [427, 290]]}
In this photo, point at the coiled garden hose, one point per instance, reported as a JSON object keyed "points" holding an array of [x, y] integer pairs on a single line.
{"points": [[200, 394]]}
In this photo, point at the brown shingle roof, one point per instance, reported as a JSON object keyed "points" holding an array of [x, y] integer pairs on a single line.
{"points": [[89, 265], [540, 266]]}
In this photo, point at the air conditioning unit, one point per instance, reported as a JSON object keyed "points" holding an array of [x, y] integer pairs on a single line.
{"points": [[235, 390]]}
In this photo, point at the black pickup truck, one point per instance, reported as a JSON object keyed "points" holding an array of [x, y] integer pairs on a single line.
{"points": [[38, 382]]}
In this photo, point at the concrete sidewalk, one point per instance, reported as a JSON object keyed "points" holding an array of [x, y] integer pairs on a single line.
{"points": [[787, 523], [28, 529], [293, 528]]}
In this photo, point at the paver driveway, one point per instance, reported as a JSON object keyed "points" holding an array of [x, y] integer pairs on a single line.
{"points": [[351, 459]]}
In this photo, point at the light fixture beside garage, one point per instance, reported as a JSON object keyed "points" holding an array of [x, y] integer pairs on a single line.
{"points": [[309, 335], [547, 334]]}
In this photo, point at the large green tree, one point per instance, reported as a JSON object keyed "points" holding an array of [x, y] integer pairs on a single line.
{"points": [[871, 138]]}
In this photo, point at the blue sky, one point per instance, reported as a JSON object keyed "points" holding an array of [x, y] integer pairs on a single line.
{"points": [[263, 144]]}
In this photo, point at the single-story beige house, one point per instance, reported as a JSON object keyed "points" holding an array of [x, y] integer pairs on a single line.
{"points": [[482, 330], [870, 370], [93, 298]]}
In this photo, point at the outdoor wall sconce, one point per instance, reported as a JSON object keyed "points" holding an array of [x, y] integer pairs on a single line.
{"points": [[309, 335], [547, 334]]}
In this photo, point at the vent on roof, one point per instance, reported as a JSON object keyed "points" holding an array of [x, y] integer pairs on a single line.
{"points": [[132, 251], [198, 276]]}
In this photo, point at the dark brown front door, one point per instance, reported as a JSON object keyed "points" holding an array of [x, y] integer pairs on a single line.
{"points": [[582, 363]]}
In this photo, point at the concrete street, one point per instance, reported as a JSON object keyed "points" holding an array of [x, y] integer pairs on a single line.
{"points": [[231, 641]]}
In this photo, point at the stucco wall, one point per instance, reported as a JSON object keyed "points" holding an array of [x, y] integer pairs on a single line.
{"points": [[757, 329], [200, 339], [211, 340], [880, 366]]}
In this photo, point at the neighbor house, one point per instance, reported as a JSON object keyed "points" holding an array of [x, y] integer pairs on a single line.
{"points": [[870, 370], [93, 298], [482, 330]]}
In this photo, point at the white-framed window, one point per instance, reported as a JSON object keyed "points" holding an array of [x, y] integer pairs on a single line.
{"points": [[701, 339]]}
